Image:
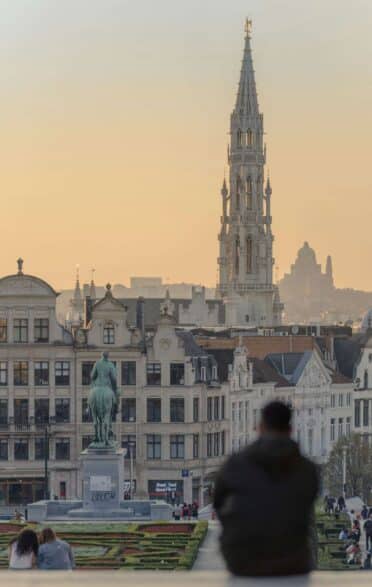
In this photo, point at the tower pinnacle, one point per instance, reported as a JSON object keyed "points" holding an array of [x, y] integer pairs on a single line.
{"points": [[77, 292], [248, 27]]}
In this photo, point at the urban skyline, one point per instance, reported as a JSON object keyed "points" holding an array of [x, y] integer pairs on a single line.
{"points": [[72, 146]]}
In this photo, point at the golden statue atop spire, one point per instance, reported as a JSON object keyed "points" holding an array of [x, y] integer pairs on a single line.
{"points": [[248, 27]]}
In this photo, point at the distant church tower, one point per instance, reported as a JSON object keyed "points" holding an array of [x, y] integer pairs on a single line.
{"points": [[246, 241]]}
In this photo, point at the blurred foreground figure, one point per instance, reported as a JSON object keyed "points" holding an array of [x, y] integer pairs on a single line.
{"points": [[264, 497]]}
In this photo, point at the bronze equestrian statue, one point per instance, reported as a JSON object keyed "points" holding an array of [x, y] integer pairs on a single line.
{"points": [[103, 401]]}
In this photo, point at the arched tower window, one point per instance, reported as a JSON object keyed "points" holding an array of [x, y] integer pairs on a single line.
{"points": [[238, 190], [237, 255], [366, 379], [249, 192], [249, 250], [249, 138], [239, 138]]}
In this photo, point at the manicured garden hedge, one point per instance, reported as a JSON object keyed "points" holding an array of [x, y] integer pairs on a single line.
{"points": [[331, 551], [152, 546]]}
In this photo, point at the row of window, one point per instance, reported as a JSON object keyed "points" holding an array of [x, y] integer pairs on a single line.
{"points": [[21, 330], [215, 445], [362, 412], [216, 408], [41, 411], [129, 375], [154, 445], [176, 405], [41, 373], [240, 411], [343, 428], [244, 138], [22, 446], [21, 373], [343, 400], [128, 410]]}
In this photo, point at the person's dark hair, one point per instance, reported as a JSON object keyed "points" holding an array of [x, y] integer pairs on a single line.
{"points": [[47, 535], [276, 416], [26, 542]]}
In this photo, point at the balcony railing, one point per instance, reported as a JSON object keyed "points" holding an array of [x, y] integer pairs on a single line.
{"points": [[25, 424]]}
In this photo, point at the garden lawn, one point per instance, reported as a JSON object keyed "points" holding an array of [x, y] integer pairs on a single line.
{"points": [[142, 546]]}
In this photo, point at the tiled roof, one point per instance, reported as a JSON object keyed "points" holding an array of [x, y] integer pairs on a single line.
{"points": [[192, 349], [289, 365], [263, 372], [224, 358], [347, 351]]}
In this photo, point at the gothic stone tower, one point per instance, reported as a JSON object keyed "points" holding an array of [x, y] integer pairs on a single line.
{"points": [[246, 241]]}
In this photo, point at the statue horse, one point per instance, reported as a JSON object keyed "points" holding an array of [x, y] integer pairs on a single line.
{"points": [[103, 401]]}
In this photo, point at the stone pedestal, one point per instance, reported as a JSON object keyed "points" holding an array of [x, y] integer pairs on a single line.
{"points": [[103, 479]]}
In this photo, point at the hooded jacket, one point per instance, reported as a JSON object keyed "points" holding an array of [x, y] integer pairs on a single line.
{"points": [[264, 498]]}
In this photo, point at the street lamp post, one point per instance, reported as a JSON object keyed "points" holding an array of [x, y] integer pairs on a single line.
{"points": [[131, 445], [344, 453], [46, 456]]}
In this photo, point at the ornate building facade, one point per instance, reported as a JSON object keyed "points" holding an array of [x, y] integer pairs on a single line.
{"points": [[246, 240], [171, 420]]}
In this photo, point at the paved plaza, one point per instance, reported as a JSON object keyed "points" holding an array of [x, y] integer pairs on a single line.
{"points": [[209, 557]]}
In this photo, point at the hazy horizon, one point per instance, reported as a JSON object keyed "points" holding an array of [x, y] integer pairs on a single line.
{"points": [[115, 118]]}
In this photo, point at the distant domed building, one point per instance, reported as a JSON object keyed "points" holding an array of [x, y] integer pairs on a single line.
{"points": [[306, 290]]}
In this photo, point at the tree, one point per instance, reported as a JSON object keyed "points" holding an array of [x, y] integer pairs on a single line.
{"points": [[358, 467]]}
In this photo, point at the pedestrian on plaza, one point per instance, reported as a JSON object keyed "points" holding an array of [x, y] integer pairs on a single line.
{"points": [[54, 554], [331, 504], [23, 551], [344, 534], [267, 490], [195, 510], [341, 503], [353, 554], [367, 563], [364, 512], [325, 504], [368, 532], [185, 511], [177, 513], [355, 532]]}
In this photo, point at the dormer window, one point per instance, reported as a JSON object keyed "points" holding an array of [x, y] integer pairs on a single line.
{"points": [[109, 333]]}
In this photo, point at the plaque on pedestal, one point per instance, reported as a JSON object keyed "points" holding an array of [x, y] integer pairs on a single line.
{"points": [[103, 478]]}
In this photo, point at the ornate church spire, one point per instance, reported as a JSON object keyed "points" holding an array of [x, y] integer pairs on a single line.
{"points": [[246, 260], [92, 287]]}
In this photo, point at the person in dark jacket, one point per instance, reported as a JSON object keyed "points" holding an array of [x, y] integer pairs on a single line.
{"points": [[368, 532], [341, 503], [264, 498]]}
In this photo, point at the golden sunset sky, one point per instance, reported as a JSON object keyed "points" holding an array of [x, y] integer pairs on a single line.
{"points": [[114, 121]]}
